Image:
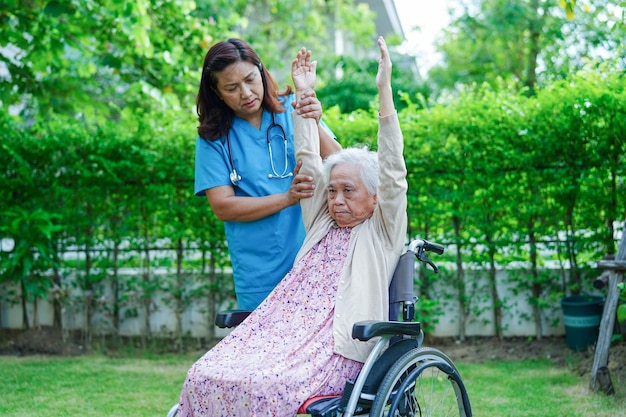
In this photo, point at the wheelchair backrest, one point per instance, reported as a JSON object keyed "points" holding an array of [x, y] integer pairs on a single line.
{"points": [[401, 286]]}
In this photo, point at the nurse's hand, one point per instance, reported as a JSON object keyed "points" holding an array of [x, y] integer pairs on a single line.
{"points": [[308, 106], [302, 186]]}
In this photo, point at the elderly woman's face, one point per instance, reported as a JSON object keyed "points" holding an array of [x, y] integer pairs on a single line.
{"points": [[348, 200]]}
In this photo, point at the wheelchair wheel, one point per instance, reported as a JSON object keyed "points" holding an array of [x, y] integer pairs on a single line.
{"points": [[173, 411], [424, 382]]}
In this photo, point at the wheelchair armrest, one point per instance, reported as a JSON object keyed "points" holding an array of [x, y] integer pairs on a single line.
{"points": [[365, 330], [230, 318]]}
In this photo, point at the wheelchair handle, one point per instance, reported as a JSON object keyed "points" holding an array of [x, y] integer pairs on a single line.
{"points": [[420, 246], [426, 245]]}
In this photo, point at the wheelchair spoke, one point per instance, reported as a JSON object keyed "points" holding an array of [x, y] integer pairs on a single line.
{"points": [[435, 390]]}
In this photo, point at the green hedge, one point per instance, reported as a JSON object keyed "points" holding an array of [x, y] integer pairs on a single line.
{"points": [[505, 177], [114, 195], [498, 176]]}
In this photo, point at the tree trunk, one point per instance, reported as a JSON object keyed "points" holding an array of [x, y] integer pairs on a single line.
{"points": [[493, 287], [536, 288], [88, 297], [612, 211], [146, 296], [36, 324], [460, 281], [115, 289], [57, 303], [575, 280], [180, 284], [25, 323], [146, 287], [534, 34]]}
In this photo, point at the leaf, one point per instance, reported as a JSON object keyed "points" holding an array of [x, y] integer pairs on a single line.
{"points": [[87, 70], [621, 313], [56, 9]]}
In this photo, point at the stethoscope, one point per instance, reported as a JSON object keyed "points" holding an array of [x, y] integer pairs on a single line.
{"points": [[234, 175]]}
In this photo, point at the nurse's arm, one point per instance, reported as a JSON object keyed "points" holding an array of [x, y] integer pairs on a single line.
{"points": [[328, 144], [231, 208]]}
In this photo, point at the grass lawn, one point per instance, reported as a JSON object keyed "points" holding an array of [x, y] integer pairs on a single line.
{"points": [[91, 386], [533, 388], [146, 386]]}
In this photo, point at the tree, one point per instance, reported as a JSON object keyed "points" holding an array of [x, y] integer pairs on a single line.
{"points": [[568, 6], [354, 88], [83, 57], [32, 255], [93, 59], [528, 41]]}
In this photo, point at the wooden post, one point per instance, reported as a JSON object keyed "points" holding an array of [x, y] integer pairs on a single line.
{"points": [[600, 377]]}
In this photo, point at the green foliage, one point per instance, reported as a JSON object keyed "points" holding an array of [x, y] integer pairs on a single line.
{"points": [[498, 176], [79, 57], [104, 139], [33, 252], [101, 60], [528, 41], [569, 6], [112, 192], [100, 160], [505, 178], [621, 309], [355, 89], [493, 170]]}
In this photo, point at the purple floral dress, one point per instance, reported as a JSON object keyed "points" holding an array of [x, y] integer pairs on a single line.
{"points": [[282, 354]]}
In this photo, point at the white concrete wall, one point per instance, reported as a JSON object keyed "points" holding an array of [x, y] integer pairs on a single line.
{"points": [[517, 314]]}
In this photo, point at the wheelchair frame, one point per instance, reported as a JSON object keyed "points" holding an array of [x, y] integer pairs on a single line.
{"points": [[400, 390]]}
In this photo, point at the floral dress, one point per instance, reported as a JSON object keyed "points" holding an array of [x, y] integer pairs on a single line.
{"points": [[282, 354]]}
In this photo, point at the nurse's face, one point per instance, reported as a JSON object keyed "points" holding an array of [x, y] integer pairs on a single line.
{"points": [[240, 86]]}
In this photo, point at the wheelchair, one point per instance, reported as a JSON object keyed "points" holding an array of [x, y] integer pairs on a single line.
{"points": [[400, 377]]}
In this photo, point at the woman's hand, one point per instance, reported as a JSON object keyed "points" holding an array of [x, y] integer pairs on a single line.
{"points": [[308, 106], [304, 77], [302, 186], [383, 78], [303, 71]]}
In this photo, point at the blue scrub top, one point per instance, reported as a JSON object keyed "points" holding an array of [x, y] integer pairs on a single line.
{"points": [[261, 251]]}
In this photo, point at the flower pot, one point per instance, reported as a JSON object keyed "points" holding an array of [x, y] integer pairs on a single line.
{"points": [[582, 315]]}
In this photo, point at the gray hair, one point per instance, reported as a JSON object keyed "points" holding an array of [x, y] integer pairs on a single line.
{"points": [[366, 160]]}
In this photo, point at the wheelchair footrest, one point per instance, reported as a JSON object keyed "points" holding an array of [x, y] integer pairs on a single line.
{"points": [[321, 406]]}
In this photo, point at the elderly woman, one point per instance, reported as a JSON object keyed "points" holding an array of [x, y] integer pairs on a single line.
{"points": [[297, 343]]}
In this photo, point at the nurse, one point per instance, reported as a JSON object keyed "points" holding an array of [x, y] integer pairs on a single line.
{"points": [[245, 165]]}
